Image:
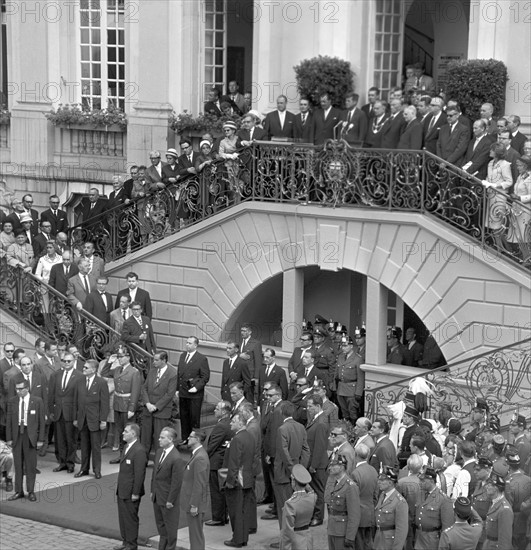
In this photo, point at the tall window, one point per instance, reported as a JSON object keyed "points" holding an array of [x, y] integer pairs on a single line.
{"points": [[388, 45], [3, 55], [215, 18], [102, 53]]}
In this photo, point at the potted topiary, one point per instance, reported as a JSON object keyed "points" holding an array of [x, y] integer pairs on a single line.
{"points": [[324, 74]]}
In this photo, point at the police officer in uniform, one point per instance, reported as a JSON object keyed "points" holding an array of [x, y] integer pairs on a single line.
{"points": [[517, 489], [433, 514], [350, 380], [479, 419], [344, 510], [324, 358], [391, 513], [464, 534], [499, 523], [298, 511], [480, 499], [396, 352]]}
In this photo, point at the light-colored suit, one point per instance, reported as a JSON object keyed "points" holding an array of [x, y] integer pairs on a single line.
{"points": [[76, 291]]}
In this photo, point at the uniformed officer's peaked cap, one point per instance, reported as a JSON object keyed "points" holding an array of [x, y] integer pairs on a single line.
{"points": [[347, 340], [359, 332], [320, 320], [484, 462], [512, 458], [319, 332], [463, 507], [395, 332], [341, 329], [429, 472], [498, 443], [301, 474], [518, 420], [390, 473], [497, 480]]}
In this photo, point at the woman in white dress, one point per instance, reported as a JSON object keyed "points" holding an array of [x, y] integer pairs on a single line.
{"points": [[520, 218], [499, 177], [44, 267]]}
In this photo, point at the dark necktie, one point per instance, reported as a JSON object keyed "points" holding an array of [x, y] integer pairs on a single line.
{"points": [[432, 124], [349, 116], [304, 119], [162, 457], [123, 314], [86, 284], [22, 414], [65, 374], [187, 358], [158, 376], [88, 383]]}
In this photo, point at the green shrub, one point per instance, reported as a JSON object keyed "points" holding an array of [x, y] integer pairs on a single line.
{"points": [[324, 74], [476, 81]]}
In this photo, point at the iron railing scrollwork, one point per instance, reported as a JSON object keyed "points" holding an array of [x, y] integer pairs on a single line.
{"points": [[333, 175], [502, 377], [41, 307]]}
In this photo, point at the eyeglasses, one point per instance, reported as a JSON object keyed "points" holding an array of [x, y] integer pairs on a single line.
{"points": [[305, 384], [154, 158], [30, 202], [68, 361], [333, 434], [305, 340], [9, 351], [271, 394], [54, 202]]}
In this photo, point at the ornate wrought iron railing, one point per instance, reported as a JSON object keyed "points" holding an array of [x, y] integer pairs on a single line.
{"points": [[332, 175], [41, 307], [502, 377]]}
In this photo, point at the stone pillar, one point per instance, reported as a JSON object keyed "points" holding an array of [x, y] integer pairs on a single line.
{"points": [[292, 307], [376, 323]]}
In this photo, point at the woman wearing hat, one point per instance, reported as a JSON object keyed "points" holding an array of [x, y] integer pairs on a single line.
{"points": [[228, 150], [520, 215]]}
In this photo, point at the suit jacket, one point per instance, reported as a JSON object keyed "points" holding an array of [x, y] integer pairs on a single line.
{"points": [[392, 130], [119, 197], [479, 157], [75, 289], [116, 320], [142, 297], [194, 488], [270, 422], [239, 460], [167, 478], [367, 110], [169, 171], [98, 266], [366, 478], [131, 331], [411, 137], [38, 387], [517, 142], [212, 108], [35, 420], [152, 176], [254, 348], [355, 135], [92, 405], [375, 132], [59, 222], [99, 207], [195, 373], [304, 133], [47, 368], [62, 403], [432, 135], [259, 134], [253, 427], [324, 129], [273, 128], [15, 222], [413, 355], [217, 443], [292, 448], [132, 472], [277, 375], [184, 163], [239, 372], [384, 453], [95, 306], [59, 280], [161, 395], [317, 435], [39, 245], [346, 450], [452, 146]]}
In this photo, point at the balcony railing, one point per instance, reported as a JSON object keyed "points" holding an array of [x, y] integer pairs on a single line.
{"points": [[41, 307], [502, 377], [333, 175], [110, 142]]}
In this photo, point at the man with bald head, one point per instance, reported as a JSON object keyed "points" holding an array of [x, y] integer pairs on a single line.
{"points": [[81, 285], [486, 112]]}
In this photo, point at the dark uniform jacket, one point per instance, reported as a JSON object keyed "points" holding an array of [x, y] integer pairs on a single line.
{"points": [[132, 472], [391, 522], [343, 500]]}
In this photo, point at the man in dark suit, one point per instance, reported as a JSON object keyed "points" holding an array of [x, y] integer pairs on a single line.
{"points": [[153, 174], [97, 264], [99, 302], [280, 123], [235, 370], [373, 95], [91, 405], [317, 435], [271, 372], [27, 203], [136, 294], [216, 448], [168, 471], [56, 216], [194, 490], [130, 485], [304, 122], [95, 205], [119, 195], [355, 122], [120, 314], [6, 363], [193, 375], [38, 385], [517, 138], [213, 105], [413, 349], [291, 448], [453, 139], [61, 409], [187, 159], [239, 461], [41, 239], [138, 329], [16, 215], [486, 113], [295, 366], [250, 131], [325, 120], [394, 126], [158, 392], [433, 124], [60, 273], [477, 156], [376, 125], [80, 286], [170, 171], [411, 137], [384, 452], [411, 422], [250, 350], [25, 432]]}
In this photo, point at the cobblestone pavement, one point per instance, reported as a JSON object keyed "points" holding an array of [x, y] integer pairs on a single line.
{"points": [[24, 534]]}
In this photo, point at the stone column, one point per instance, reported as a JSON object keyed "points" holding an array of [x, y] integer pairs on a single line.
{"points": [[292, 307], [376, 322]]}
